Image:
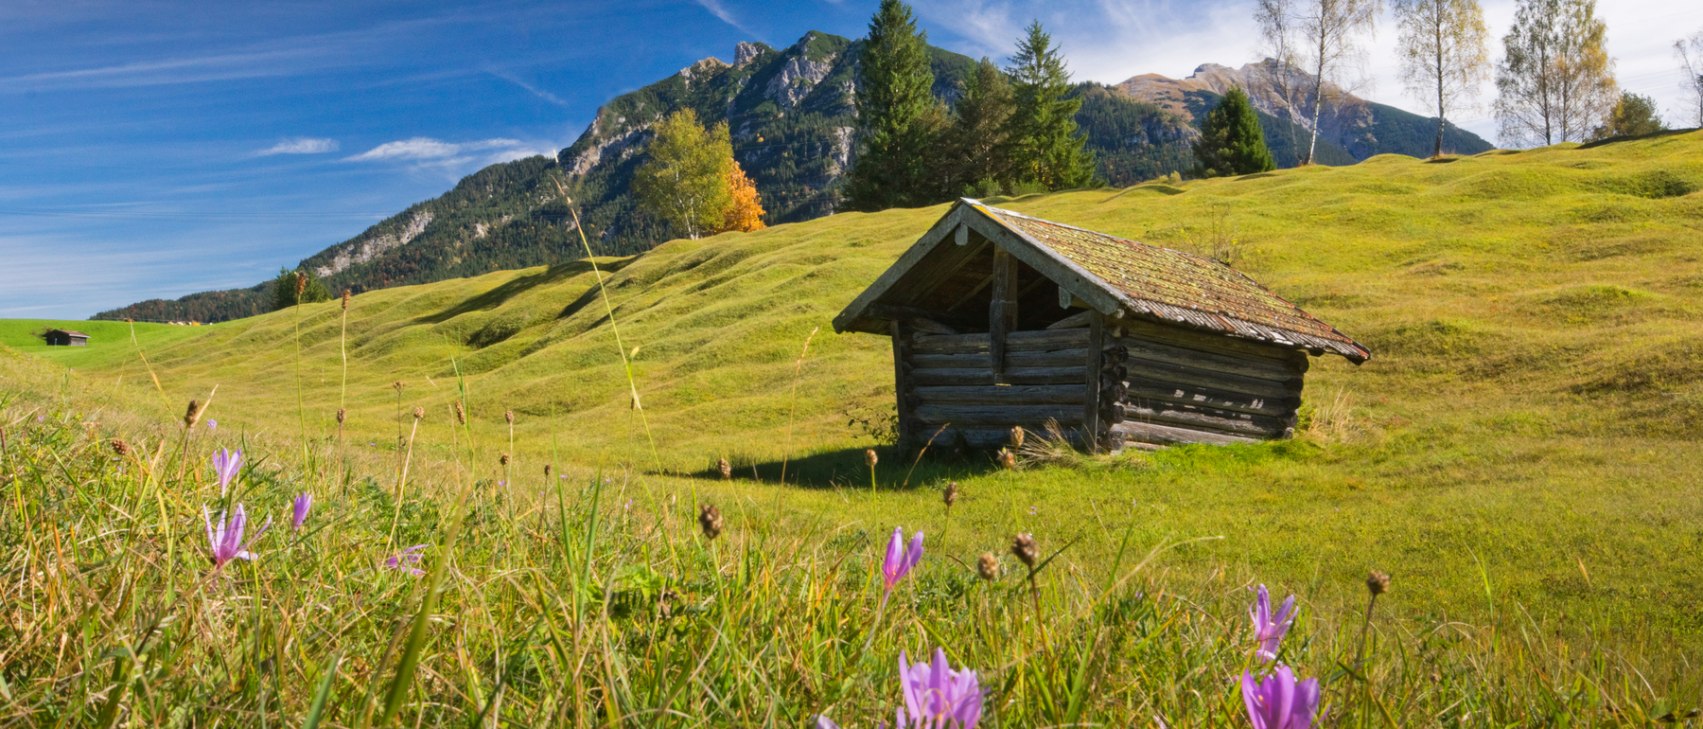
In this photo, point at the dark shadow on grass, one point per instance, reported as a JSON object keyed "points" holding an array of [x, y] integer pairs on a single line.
{"points": [[498, 296], [847, 469]]}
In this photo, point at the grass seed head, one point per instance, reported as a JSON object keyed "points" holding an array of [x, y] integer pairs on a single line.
{"points": [[120, 447], [988, 566], [419, 412], [341, 415], [193, 414], [1016, 437], [503, 458], [1007, 459], [725, 468], [950, 494], [345, 299], [870, 458], [397, 385], [508, 415], [1377, 583], [546, 470], [301, 285], [460, 413], [1023, 546], [709, 520]]}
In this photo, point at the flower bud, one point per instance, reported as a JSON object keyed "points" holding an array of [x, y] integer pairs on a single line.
{"points": [[870, 458], [508, 415], [1023, 545], [546, 470], [950, 495], [988, 567], [1007, 459], [709, 520], [1016, 437], [120, 447], [503, 458], [419, 412], [724, 468], [1377, 583]]}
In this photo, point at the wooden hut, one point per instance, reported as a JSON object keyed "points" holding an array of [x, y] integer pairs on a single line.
{"points": [[66, 338], [1001, 319]]}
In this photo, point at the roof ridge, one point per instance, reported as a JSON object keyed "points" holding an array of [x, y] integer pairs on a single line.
{"points": [[1103, 234]]}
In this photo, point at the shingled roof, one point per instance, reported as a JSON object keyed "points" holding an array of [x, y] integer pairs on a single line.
{"points": [[1143, 281]]}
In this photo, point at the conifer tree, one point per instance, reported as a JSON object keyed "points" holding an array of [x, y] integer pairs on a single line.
{"points": [[978, 149], [745, 209], [1046, 149], [685, 180], [898, 116], [1632, 116], [1231, 142]]}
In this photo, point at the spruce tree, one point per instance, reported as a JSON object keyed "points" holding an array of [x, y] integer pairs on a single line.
{"points": [[1046, 149], [1231, 142], [898, 116], [978, 150]]}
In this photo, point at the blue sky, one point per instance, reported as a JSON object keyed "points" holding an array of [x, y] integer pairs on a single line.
{"points": [[153, 148]]}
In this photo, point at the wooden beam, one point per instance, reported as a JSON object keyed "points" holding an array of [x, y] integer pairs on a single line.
{"points": [[1093, 361], [1002, 309], [901, 383], [961, 236], [856, 310], [1079, 319]]}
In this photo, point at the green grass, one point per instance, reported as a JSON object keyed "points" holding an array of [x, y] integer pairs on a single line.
{"points": [[1520, 454], [109, 341]]}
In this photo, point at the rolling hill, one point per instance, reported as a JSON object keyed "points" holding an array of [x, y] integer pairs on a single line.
{"points": [[792, 118], [1527, 431]]}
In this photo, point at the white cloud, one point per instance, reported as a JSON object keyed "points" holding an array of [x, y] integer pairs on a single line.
{"points": [[419, 149], [300, 145], [720, 11], [530, 88]]}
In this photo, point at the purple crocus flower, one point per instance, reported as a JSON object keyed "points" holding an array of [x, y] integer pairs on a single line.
{"points": [[212, 425], [1279, 702], [900, 559], [407, 560], [225, 539], [226, 464], [1268, 628], [299, 509], [937, 696]]}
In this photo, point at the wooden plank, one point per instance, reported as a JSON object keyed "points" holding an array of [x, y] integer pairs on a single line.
{"points": [[1013, 376], [1027, 340], [1258, 426], [1128, 432], [998, 415], [1002, 310], [901, 334], [854, 313], [1277, 407], [1079, 319], [1148, 371], [1048, 358], [1093, 360], [990, 438], [1206, 341], [1084, 285], [1246, 366], [1005, 395]]}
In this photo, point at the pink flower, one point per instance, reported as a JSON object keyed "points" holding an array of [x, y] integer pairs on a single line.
{"points": [[225, 540], [1269, 629], [1279, 702], [299, 510], [900, 559], [407, 560], [226, 464]]}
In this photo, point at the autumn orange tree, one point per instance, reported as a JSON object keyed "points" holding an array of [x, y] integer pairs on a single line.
{"points": [[745, 208]]}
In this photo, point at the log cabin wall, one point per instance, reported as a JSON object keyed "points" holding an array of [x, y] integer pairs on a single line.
{"points": [[1168, 384], [952, 379]]}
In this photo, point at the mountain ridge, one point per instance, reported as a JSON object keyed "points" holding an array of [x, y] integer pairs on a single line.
{"points": [[792, 117]]}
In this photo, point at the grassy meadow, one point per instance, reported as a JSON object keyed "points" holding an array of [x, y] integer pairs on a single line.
{"points": [[1519, 455]]}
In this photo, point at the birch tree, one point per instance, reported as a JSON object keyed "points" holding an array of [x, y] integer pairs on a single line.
{"points": [[1555, 82], [1276, 19], [1443, 54], [685, 180], [1328, 30], [1690, 52]]}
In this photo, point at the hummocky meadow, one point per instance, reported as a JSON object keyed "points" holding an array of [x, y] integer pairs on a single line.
{"points": [[511, 525]]}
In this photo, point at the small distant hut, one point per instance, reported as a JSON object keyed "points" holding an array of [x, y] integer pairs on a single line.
{"points": [[66, 338], [1001, 319]]}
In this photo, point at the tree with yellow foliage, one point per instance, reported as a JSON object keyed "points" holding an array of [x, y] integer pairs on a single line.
{"points": [[745, 209]]}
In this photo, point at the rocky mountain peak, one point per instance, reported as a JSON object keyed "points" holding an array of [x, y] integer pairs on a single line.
{"points": [[746, 52]]}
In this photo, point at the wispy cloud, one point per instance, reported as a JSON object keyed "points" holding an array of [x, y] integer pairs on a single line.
{"points": [[720, 11], [416, 149], [530, 88], [300, 145]]}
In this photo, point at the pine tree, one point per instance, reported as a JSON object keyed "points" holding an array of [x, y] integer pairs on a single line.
{"points": [[1231, 142], [898, 116], [978, 149], [684, 182], [1046, 149], [745, 209], [1633, 115]]}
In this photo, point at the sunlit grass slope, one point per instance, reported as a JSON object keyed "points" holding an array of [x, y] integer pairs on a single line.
{"points": [[1524, 440]]}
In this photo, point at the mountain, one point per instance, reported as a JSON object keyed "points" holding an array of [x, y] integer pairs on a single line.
{"points": [[1350, 128], [792, 116]]}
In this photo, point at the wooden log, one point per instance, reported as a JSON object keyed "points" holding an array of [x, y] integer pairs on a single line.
{"points": [[1093, 360], [1207, 341], [1079, 319], [997, 415], [901, 333], [1028, 341], [1258, 367], [1005, 395], [1132, 432], [1002, 310], [1257, 426], [1277, 407], [989, 438], [1150, 372], [1053, 358], [1013, 376]]}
